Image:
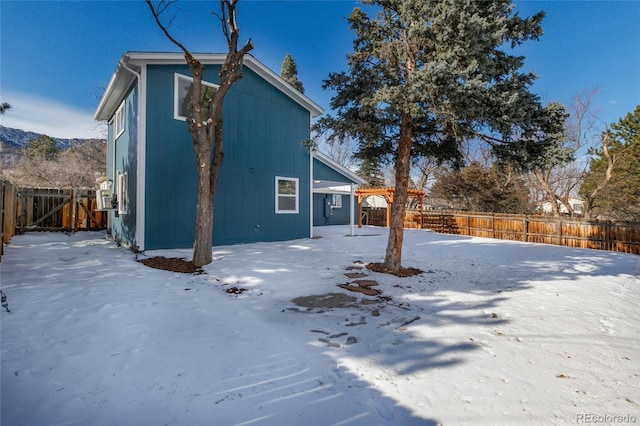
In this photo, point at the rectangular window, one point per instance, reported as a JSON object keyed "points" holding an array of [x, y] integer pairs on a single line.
{"points": [[183, 93], [337, 201], [122, 193], [286, 195], [118, 122]]}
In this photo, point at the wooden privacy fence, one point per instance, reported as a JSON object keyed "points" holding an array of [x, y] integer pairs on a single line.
{"points": [[570, 232], [37, 209]]}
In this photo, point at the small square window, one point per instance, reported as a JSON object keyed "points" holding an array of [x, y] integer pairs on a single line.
{"points": [[183, 92], [286, 195], [336, 202], [118, 122], [122, 193]]}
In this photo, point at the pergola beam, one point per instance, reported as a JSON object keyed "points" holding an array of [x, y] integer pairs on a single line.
{"points": [[387, 193]]}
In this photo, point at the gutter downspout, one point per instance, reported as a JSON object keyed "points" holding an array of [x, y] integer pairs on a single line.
{"points": [[351, 212], [141, 152], [311, 151]]}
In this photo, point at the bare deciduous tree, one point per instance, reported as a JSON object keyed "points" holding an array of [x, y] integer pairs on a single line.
{"points": [[558, 183], [76, 167], [206, 132]]}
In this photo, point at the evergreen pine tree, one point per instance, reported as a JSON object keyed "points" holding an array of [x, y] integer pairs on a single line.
{"points": [[370, 171], [424, 76], [43, 147], [289, 73]]}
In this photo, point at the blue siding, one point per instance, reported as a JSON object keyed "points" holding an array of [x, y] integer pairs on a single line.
{"points": [[123, 158], [323, 172], [264, 130], [340, 216]]}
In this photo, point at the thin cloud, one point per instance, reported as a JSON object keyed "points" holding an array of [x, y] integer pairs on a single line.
{"points": [[55, 119]]}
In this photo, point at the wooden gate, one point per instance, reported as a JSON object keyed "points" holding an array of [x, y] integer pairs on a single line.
{"points": [[57, 210]]}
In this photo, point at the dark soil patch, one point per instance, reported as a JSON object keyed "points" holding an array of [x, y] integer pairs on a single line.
{"points": [[235, 290], [330, 300], [404, 272], [172, 264]]}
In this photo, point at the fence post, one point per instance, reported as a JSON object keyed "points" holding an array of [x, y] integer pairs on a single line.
{"points": [[2, 186], [493, 225], [74, 210], [560, 231], [469, 225]]}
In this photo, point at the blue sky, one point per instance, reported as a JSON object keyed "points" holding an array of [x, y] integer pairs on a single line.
{"points": [[56, 57]]}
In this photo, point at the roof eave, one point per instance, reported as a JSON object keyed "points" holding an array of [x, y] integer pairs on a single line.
{"points": [[120, 82], [338, 167]]}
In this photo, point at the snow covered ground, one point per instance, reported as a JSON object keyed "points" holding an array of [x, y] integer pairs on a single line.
{"points": [[492, 333]]}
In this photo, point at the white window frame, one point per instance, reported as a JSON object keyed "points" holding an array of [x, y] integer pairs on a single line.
{"points": [[336, 201], [176, 93], [296, 195], [119, 121], [123, 203]]}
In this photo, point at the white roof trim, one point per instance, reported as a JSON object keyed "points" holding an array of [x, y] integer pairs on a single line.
{"points": [[326, 187], [323, 158], [122, 78]]}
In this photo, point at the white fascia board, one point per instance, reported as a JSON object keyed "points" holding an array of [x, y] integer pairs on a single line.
{"points": [[325, 187], [141, 192], [118, 86], [338, 168]]}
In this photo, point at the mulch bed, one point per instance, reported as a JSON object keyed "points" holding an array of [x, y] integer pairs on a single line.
{"points": [[404, 272], [172, 264]]}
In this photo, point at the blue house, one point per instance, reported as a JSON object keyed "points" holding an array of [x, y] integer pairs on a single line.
{"points": [[270, 186]]}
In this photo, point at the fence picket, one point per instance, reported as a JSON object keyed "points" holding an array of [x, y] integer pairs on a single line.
{"points": [[571, 232], [33, 209]]}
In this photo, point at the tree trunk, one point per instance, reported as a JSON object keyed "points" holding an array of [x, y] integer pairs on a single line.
{"points": [[202, 245], [201, 136], [207, 137], [393, 257], [550, 194], [590, 199]]}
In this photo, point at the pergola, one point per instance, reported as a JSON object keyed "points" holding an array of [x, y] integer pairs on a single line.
{"points": [[387, 193]]}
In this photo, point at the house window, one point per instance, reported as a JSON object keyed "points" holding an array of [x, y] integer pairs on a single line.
{"points": [[577, 207], [122, 193], [118, 122], [183, 93], [336, 202], [286, 195]]}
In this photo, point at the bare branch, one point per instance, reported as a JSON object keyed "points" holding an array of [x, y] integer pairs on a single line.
{"points": [[163, 5]]}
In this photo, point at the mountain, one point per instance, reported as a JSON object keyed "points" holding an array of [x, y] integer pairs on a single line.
{"points": [[17, 138]]}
